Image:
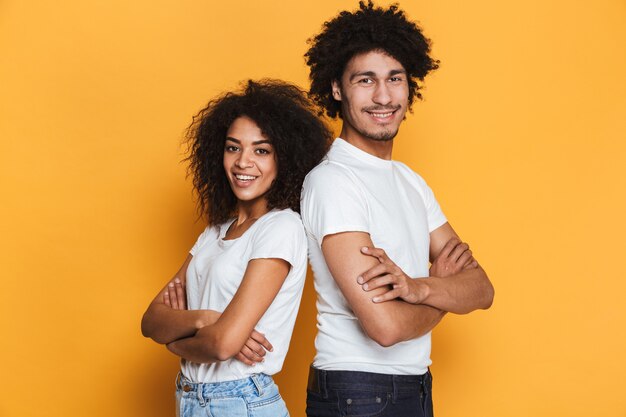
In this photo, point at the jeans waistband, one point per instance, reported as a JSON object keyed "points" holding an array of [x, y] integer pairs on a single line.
{"points": [[320, 380], [236, 388]]}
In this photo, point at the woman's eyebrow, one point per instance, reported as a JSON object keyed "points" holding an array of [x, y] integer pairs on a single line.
{"points": [[258, 142]]}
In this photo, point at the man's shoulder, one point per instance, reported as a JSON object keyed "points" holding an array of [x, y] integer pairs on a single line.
{"points": [[328, 172], [409, 173]]}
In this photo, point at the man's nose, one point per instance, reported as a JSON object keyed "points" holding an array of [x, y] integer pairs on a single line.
{"points": [[382, 94]]}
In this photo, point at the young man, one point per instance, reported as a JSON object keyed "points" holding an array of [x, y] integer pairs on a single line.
{"points": [[376, 307]]}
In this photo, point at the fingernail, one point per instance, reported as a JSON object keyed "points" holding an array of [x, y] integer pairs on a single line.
{"points": [[359, 280], [170, 284], [364, 249], [375, 299], [365, 286], [177, 281]]}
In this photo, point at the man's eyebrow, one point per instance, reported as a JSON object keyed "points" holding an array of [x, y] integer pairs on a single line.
{"points": [[362, 74], [373, 74], [396, 72], [258, 142]]}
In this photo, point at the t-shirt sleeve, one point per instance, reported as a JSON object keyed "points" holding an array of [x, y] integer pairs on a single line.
{"points": [[435, 215], [282, 237], [332, 202]]}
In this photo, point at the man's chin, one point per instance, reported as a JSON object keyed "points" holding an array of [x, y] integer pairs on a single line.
{"points": [[384, 136]]}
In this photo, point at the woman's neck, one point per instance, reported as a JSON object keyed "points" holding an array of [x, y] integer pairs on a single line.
{"points": [[247, 214], [250, 210]]}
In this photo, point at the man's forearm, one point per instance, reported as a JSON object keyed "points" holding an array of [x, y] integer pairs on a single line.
{"points": [[461, 293], [410, 321]]}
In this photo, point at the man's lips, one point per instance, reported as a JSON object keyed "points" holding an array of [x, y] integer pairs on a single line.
{"points": [[382, 115]]}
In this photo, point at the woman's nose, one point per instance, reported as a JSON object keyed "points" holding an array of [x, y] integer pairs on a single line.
{"points": [[244, 161]]}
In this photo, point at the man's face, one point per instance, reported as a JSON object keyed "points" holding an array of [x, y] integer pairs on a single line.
{"points": [[374, 95]]}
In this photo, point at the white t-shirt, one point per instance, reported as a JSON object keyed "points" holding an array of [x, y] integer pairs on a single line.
{"points": [[216, 271], [351, 190]]}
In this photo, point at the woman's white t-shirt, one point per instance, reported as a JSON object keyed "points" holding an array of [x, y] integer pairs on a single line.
{"points": [[216, 271]]}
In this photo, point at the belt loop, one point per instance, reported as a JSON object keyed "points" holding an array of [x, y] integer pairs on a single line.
{"points": [[394, 385], [177, 381], [323, 382], [200, 394], [257, 384]]}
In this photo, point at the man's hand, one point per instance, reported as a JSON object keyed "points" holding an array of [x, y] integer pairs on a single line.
{"points": [[453, 258], [388, 274]]}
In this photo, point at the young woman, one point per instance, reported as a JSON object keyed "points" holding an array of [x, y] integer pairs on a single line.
{"points": [[230, 310]]}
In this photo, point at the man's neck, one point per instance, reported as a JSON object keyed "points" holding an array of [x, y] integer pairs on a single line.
{"points": [[378, 148]]}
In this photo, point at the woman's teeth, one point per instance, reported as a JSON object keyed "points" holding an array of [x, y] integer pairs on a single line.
{"points": [[244, 177]]}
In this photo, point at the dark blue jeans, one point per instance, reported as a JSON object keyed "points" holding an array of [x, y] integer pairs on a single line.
{"points": [[366, 394]]}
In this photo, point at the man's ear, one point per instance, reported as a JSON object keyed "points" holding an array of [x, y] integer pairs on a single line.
{"points": [[336, 89]]}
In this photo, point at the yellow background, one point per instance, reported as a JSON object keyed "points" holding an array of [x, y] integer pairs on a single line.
{"points": [[521, 136]]}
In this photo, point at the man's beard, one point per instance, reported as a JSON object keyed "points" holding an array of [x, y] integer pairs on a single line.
{"points": [[384, 136]]}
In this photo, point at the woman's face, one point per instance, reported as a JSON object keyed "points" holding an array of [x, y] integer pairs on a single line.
{"points": [[249, 160]]}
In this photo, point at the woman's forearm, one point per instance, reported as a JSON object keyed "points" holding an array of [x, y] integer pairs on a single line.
{"points": [[164, 324], [208, 345]]}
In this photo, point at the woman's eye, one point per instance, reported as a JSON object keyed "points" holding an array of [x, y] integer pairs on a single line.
{"points": [[231, 148], [263, 151]]}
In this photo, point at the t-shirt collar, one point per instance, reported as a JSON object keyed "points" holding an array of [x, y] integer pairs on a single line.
{"points": [[359, 154]]}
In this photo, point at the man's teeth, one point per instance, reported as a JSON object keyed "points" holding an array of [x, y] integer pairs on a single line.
{"points": [[244, 177], [381, 115]]}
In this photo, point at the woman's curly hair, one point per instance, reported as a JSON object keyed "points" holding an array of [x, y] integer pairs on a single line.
{"points": [[368, 29], [284, 115]]}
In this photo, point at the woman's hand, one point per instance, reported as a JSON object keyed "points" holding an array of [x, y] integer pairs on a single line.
{"points": [[254, 350], [176, 295], [256, 346]]}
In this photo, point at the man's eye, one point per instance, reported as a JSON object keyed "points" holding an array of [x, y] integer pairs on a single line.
{"points": [[395, 79], [366, 81]]}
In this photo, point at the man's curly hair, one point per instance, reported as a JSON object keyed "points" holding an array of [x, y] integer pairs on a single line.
{"points": [[284, 115], [368, 29]]}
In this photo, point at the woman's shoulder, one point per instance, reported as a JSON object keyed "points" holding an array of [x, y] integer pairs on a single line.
{"points": [[209, 234], [213, 231], [281, 224], [283, 218], [280, 234]]}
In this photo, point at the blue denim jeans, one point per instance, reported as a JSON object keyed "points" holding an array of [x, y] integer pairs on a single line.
{"points": [[256, 396], [366, 394]]}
